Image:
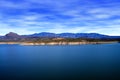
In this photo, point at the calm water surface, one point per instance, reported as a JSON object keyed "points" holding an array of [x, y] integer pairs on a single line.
{"points": [[82, 62]]}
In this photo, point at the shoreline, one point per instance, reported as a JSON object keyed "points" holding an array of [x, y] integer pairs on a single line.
{"points": [[57, 43]]}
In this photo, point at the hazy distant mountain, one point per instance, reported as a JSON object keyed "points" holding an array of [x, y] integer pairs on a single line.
{"points": [[70, 35], [12, 35], [44, 34]]}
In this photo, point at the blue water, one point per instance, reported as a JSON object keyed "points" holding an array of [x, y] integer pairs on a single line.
{"points": [[82, 62]]}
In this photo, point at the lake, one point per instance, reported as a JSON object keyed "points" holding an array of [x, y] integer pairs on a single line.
{"points": [[80, 62]]}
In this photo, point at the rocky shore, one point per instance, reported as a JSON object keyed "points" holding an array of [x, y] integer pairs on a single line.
{"points": [[57, 43]]}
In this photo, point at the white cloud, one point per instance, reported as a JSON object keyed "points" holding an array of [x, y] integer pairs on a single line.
{"points": [[59, 16]]}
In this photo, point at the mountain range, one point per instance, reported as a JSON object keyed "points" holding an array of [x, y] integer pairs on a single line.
{"points": [[61, 35], [49, 37]]}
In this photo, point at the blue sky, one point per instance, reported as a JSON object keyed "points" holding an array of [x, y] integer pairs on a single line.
{"points": [[59, 16]]}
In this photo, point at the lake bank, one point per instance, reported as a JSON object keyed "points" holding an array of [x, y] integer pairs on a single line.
{"points": [[58, 43]]}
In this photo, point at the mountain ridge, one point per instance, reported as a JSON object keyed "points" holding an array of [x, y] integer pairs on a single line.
{"points": [[60, 35]]}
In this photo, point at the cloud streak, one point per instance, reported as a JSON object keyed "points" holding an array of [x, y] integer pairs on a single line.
{"points": [[77, 16]]}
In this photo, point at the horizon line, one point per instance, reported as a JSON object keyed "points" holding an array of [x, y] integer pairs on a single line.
{"points": [[60, 33]]}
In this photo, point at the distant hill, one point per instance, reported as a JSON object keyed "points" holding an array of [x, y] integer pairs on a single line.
{"points": [[45, 36], [12, 35], [70, 35]]}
